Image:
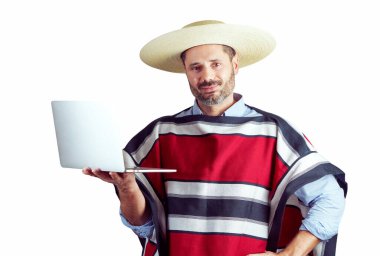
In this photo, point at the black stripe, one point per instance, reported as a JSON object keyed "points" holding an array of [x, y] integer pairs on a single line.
{"points": [[330, 247], [218, 208], [223, 120]]}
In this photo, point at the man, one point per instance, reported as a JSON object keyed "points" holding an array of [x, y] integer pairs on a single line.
{"points": [[247, 182]]}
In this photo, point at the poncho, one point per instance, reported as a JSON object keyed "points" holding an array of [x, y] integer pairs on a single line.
{"points": [[233, 192]]}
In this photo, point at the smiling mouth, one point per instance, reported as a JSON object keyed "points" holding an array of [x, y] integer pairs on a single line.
{"points": [[208, 87], [209, 90]]}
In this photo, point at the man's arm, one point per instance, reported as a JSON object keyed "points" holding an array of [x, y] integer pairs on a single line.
{"points": [[326, 201], [133, 205], [132, 202]]}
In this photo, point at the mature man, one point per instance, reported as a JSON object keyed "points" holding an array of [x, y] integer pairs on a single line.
{"points": [[247, 182]]}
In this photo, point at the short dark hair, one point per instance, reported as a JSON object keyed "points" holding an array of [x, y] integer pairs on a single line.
{"points": [[227, 49]]}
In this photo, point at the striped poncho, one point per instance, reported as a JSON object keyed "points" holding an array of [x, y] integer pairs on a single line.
{"points": [[233, 190]]}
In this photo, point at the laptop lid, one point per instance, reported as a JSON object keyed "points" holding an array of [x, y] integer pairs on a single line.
{"points": [[89, 135]]}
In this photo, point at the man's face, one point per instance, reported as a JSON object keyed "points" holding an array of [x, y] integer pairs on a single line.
{"points": [[211, 73]]}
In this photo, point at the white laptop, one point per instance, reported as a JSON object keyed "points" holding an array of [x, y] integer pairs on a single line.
{"points": [[89, 135]]}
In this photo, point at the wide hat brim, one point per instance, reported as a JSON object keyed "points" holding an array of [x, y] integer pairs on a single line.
{"points": [[164, 52]]}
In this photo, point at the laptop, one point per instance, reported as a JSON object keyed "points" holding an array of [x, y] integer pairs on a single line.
{"points": [[89, 135]]}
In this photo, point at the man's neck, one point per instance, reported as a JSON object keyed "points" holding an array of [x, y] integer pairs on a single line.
{"points": [[219, 109]]}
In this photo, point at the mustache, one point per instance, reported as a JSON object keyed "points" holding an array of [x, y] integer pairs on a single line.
{"points": [[210, 83]]}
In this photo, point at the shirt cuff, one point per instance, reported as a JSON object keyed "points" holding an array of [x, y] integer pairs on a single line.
{"points": [[145, 230]]}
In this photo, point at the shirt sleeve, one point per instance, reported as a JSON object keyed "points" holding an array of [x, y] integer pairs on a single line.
{"points": [[144, 231], [326, 201]]}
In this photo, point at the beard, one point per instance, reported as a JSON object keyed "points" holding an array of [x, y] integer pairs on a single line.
{"points": [[216, 97]]}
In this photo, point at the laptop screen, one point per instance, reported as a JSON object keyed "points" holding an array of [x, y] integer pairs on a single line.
{"points": [[88, 135]]}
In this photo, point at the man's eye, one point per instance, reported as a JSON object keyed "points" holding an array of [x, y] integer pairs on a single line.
{"points": [[217, 65], [195, 68]]}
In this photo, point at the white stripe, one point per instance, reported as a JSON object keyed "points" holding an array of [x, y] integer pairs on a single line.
{"points": [[200, 128], [217, 190], [128, 161], [302, 166], [286, 152], [146, 146], [218, 226]]}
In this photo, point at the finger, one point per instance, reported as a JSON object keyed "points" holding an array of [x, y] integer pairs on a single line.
{"points": [[122, 180], [88, 171], [115, 176], [102, 175]]}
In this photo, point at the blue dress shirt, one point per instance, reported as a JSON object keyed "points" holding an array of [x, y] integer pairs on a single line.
{"points": [[324, 196]]}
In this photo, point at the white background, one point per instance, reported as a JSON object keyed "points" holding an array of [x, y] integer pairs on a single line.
{"points": [[322, 77]]}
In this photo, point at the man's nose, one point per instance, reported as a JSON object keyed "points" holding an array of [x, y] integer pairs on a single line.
{"points": [[207, 75]]}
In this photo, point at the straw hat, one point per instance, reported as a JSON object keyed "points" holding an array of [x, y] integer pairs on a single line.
{"points": [[164, 52]]}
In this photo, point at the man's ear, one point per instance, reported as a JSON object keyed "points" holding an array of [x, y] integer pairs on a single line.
{"points": [[235, 63]]}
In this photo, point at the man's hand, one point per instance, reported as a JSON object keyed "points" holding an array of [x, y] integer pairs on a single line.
{"points": [[301, 245], [125, 182], [132, 201]]}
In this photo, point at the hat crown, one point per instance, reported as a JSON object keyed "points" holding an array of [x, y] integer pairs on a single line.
{"points": [[203, 22]]}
